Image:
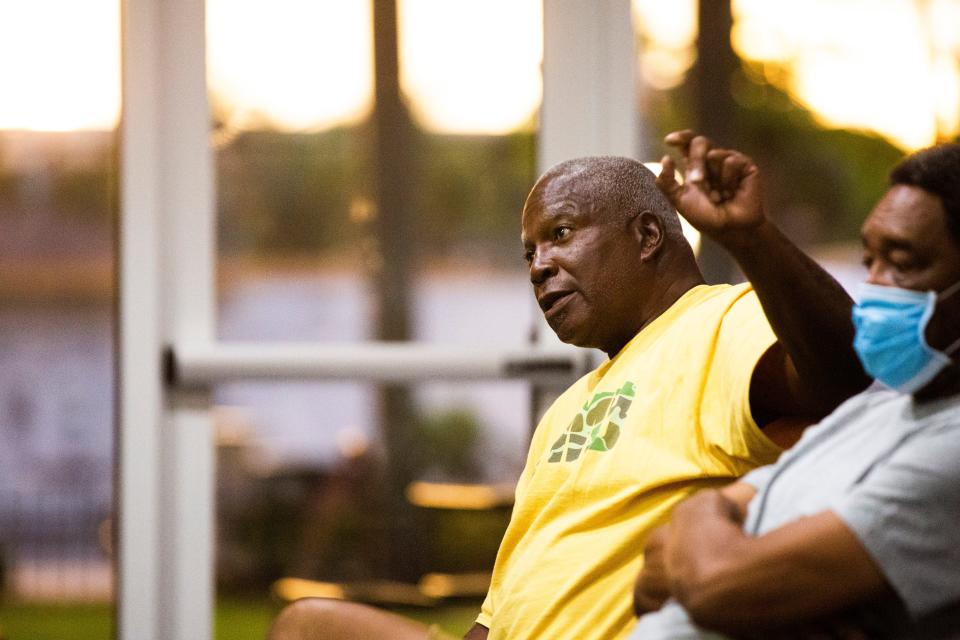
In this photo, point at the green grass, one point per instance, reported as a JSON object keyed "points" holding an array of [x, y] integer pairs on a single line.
{"points": [[243, 620], [56, 622], [235, 620], [454, 619]]}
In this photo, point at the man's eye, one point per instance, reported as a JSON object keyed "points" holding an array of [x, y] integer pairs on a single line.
{"points": [[561, 233], [905, 265], [903, 260], [528, 256]]}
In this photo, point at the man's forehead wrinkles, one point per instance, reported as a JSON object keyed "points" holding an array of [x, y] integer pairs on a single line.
{"points": [[569, 189], [569, 199], [564, 206], [883, 225], [886, 241]]}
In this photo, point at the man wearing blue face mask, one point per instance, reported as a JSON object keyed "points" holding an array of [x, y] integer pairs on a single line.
{"points": [[855, 532]]}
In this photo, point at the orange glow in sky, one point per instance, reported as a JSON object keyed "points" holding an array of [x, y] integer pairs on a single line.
{"points": [[289, 63], [472, 66], [669, 32], [59, 74], [891, 67]]}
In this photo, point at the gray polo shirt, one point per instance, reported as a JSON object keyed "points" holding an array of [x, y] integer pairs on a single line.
{"points": [[890, 469]]}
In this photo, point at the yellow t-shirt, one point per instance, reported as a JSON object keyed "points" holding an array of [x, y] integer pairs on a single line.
{"points": [[668, 415]]}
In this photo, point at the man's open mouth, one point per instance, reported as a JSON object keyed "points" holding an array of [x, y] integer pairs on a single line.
{"points": [[550, 302]]}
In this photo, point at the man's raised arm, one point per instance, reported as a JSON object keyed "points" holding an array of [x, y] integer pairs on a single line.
{"points": [[813, 368], [477, 632]]}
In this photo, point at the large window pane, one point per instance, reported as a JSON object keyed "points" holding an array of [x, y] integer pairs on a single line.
{"points": [[367, 221]]}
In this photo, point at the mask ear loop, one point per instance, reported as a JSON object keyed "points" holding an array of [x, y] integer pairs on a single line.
{"points": [[952, 348], [949, 291], [943, 295]]}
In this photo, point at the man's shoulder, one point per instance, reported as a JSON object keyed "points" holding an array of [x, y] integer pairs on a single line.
{"points": [[741, 316], [928, 431], [704, 305], [717, 294], [707, 322], [942, 414], [734, 301]]}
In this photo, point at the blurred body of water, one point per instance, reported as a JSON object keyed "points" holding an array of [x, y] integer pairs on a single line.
{"points": [[301, 422], [56, 388]]}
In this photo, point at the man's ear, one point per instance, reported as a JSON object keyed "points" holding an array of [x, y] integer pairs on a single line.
{"points": [[647, 229]]}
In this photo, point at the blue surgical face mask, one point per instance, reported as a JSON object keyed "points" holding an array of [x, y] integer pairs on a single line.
{"points": [[889, 339]]}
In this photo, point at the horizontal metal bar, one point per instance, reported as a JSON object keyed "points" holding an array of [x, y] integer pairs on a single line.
{"points": [[193, 365]]}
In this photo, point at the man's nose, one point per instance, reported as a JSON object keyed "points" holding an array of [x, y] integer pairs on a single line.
{"points": [[878, 273], [542, 267]]}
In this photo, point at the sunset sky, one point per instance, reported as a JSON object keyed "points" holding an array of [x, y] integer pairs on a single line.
{"points": [[472, 66]]}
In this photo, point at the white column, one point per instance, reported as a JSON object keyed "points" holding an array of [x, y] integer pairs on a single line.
{"points": [[589, 81], [166, 252]]}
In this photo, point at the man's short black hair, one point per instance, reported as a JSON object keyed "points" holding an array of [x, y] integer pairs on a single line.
{"points": [[937, 171]]}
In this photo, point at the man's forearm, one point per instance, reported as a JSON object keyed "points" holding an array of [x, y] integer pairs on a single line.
{"points": [[477, 632], [736, 583], [808, 310]]}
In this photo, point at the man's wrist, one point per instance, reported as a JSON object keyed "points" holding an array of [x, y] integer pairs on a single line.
{"points": [[746, 241], [707, 509]]}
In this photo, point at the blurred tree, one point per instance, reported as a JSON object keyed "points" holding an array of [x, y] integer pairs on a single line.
{"points": [[86, 192], [819, 183], [715, 111], [446, 447], [476, 189], [282, 193], [395, 157], [8, 191]]}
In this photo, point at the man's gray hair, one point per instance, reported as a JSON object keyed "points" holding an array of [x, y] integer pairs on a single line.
{"points": [[622, 186]]}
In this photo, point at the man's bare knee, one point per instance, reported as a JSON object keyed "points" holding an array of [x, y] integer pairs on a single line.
{"points": [[301, 620], [327, 619]]}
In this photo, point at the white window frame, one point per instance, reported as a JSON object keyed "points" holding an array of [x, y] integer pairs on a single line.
{"points": [[167, 355]]}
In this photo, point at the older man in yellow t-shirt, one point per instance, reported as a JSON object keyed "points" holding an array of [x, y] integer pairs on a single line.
{"points": [[692, 395]]}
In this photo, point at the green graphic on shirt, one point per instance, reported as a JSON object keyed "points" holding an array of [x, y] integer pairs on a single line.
{"points": [[605, 412]]}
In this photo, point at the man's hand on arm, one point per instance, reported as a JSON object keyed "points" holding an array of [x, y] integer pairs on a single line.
{"points": [[652, 587], [734, 583], [809, 311]]}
